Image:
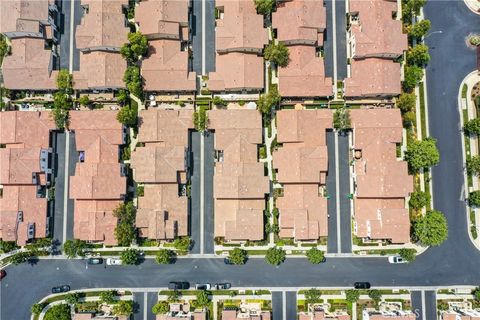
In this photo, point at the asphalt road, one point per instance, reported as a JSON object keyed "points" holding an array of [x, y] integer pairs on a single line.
{"points": [[417, 307], [139, 310], [340, 32], [291, 305], [208, 223], [277, 305], [345, 202], [194, 221], [430, 305], [332, 195], [209, 36]]}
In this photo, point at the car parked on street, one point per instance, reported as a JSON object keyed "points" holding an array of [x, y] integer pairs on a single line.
{"points": [[178, 285], [396, 259], [95, 260], [361, 285], [60, 289], [223, 286], [113, 262], [203, 286]]}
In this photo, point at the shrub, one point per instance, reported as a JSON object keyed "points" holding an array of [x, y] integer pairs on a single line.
{"points": [[200, 119], [275, 256], [182, 243], [108, 297], [72, 298], [165, 256], [409, 119], [472, 127], [130, 256], [474, 199], [413, 76], [123, 308], [375, 295], [74, 248], [202, 298], [473, 165], [161, 307], [406, 102], [219, 102], [341, 119], [237, 256], [84, 101], [315, 256], [37, 308], [431, 229], [474, 40], [419, 29], [408, 254], [419, 199], [65, 81], [312, 296], [418, 55], [352, 295]]}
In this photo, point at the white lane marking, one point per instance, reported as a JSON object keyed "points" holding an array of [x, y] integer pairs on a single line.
{"points": [[65, 189], [423, 306], [145, 306], [284, 304], [203, 37], [72, 26], [202, 178]]}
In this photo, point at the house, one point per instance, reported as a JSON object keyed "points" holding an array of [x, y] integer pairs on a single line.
{"points": [[240, 39], [182, 311], [321, 315], [239, 181], [26, 162], [381, 180], [166, 67], [99, 36], [302, 165], [161, 166], [300, 24], [30, 27], [247, 311], [99, 183]]}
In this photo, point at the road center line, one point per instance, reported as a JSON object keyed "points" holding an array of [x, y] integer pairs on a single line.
{"points": [[203, 37], [424, 312], [145, 306], [72, 26], [284, 305], [65, 189], [202, 181], [337, 194]]}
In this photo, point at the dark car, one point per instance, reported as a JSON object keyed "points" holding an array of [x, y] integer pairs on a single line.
{"points": [[223, 286], [178, 285], [3, 273], [227, 261], [95, 261], [60, 289], [361, 285]]}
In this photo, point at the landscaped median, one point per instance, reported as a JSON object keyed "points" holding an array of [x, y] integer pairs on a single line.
{"points": [[93, 301]]}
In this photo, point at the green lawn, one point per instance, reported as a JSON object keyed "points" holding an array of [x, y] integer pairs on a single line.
{"points": [[422, 110]]}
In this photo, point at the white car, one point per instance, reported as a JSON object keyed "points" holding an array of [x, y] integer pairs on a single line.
{"points": [[396, 259], [113, 262]]}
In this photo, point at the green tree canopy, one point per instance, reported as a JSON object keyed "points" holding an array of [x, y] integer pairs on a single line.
{"points": [[130, 256], [473, 165], [474, 199], [58, 312], [419, 29], [174, 296], [200, 119], [422, 154], [277, 53], [122, 97], [431, 229], [60, 117], [410, 8], [84, 100], [315, 256], [476, 293], [202, 298], [123, 307], [275, 256], [165, 256], [418, 55], [3, 47], [74, 248], [182, 243], [352, 295], [127, 116], [137, 46], [408, 254], [108, 297], [65, 81], [375, 295], [264, 7], [406, 102], [161, 307], [312, 296], [72, 298], [268, 101], [62, 100], [472, 127], [133, 81], [20, 257], [219, 102], [419, 199], [238, 256], [37, 308], [413, 76], [125, 231], [341, 119]]}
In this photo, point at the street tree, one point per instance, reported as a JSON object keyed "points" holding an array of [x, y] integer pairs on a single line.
{"points": [[431, 229], [418, 55], [202, 298], [474, 199], [341, 119], [419, 199], [72, 298], [472, 127], [315, 256], [19, 257], [411, 8], [108, 296], [264, 7], [312, 296], [352, 295], [58, 312], [130, 256], [74, 248], [406, 102], [419, 29], [165, 256], [275, 256], [413, 76], [161, 307], [123, 308], [277, 53], [422, 154], [37, 308], [408, 254], [237, 256], [473, 165]]}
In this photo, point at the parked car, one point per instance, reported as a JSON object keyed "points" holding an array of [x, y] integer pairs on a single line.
{"points": [[202, 286], [95, 260], [60, 289], [361, 285], [223, 286], [178, 285], [227, 261], [113, 262], [396, 259], [3, 273]]}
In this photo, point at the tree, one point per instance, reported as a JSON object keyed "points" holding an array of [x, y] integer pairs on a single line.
{"points": [[37, 308], [62, 100], [200, 119], [406, 102], [72, 298], [275, 256], [476, 294], [474, 40], [409, 118], [3, 47], [165, 256], [60, 117], [267, 102], [419, 199], [431, 229], [74, 248], [237, 256], [84, 101], [264, 6], [474, 199], [341, 119], [19, 257], [312, 296], [418, 55], [133, 81], [182, 243], [410, 8], [315, 256], [473, 165], [59, 312], [7, 246], [413, 76], [472, 127], [127, 116], [129, 256], [203, 298], [161, 307], [108, 297], [136, 47], [123, 308], [422, 154], [419, 29], [65, 81], [219, 102], [122, 97], [352, 295], [125, 231], [375, 295], [277, 53], [408, 254]]}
